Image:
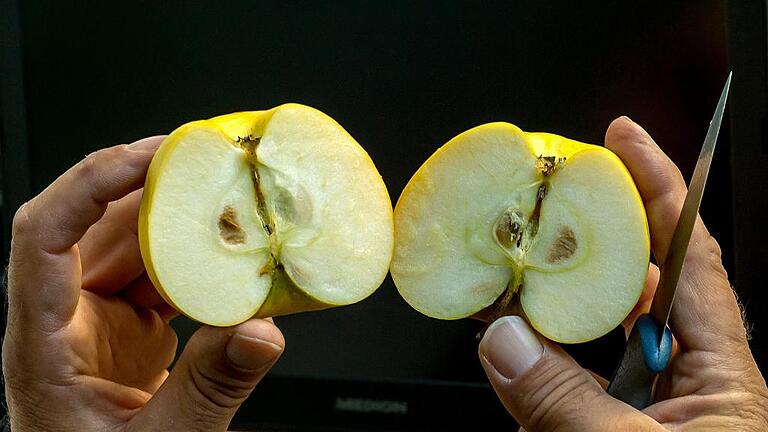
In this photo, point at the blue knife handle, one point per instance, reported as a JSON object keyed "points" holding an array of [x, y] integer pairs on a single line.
{"points": [[644, 357]]}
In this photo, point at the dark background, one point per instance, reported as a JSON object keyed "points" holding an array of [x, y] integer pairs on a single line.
{"points": [[402, 78]]}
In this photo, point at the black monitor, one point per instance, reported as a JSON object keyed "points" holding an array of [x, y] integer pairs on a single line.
{"points": [[403, 78]]}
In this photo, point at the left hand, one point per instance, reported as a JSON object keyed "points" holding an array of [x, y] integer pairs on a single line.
{"points": [[88, 343]]}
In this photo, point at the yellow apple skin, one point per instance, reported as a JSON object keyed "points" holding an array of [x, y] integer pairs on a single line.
{"points": [[284, 296], [422, 183]]}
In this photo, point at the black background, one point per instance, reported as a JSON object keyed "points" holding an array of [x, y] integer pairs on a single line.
{"points": [[402, 78]]}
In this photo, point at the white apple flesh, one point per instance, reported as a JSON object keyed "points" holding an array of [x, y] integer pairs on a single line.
{"points": [[549, 227], [264, 213]]}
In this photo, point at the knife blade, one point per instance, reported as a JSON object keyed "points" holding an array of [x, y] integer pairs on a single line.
{"points": [[673, 263]]}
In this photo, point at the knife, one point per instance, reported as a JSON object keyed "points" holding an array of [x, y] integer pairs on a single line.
{"points": [[649, 345]]}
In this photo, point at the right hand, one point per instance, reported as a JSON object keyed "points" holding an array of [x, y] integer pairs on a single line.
{"points": [[712, 382]]}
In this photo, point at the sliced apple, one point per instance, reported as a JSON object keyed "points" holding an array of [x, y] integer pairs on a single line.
{"points": [[532, 223], [264, 213]]}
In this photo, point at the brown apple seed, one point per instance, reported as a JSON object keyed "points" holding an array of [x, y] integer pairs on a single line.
{"points": [[229, 229], [564, 246]]}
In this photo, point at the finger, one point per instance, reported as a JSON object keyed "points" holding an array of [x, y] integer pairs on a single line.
{"points": [[492, 312], [109, 250], [599, 380], [658, 179], [544, 389], [156, 382], [706, 313], [663, 388], [214, 375], [44, 274], [142, 293], [646, 298]]}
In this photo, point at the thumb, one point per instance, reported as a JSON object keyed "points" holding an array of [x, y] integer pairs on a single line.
{"points": [[214, 375], [544, 388]]}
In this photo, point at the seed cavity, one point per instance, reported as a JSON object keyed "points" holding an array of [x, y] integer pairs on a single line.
{"points": [[564, 246], [509, 230], [229, 229]]}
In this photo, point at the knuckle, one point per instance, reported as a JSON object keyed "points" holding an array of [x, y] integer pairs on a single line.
{"points": [[676, 172], [219, 391], [714, 255], [761, 409], [712, 246], [557, 396], [99, 167], [22, 220], [748, 410], [707, 263], [88, 166], [92, 162], [712, 249]]}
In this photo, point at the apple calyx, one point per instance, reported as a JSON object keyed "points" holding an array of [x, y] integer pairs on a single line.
{"points": [[516, 236]]}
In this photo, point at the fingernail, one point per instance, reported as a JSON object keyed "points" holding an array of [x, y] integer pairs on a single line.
{"points": [[146, 144], [510, 346], [628, 119], [250, 353]]}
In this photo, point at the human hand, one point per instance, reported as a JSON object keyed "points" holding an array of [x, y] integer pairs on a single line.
{"points": [[712, 382], [87, 343]]}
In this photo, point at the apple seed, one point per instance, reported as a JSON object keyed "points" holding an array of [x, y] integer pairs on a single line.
{"points": [[229, 229], [564, 246]]}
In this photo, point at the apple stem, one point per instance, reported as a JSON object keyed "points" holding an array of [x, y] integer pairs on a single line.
{"points": [[506, 304]]}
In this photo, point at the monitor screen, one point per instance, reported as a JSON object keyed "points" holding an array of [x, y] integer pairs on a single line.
{"points": [[402, 78]]}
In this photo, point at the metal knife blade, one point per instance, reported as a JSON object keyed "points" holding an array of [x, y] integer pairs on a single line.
{"points": [[673, 263]]}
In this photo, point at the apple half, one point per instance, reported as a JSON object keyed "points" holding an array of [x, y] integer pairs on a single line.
{"points": [[530, 223], [264, 213]]}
